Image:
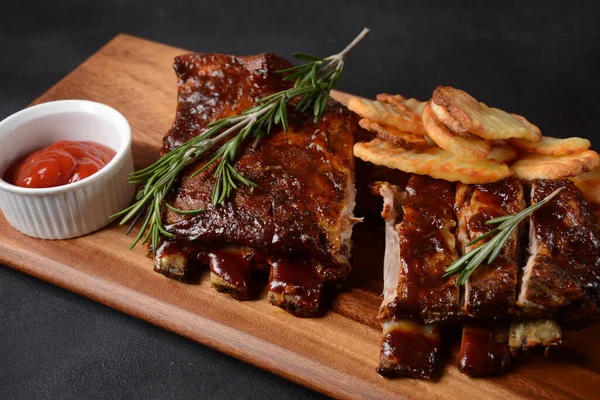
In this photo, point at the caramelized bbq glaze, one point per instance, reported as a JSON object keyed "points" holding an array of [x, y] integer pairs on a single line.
{"points": [[409, 349], [562, 277], [426, 249], [295, 285], [419, 247], [484, 349], [231, 270], [562, 281], [302, 206], [490, 291], [214, 86], [302, 177], [180, 256]]}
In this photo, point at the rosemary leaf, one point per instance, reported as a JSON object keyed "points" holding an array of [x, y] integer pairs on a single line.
{"points": [[498, 220], [306, 57], [184, 212], [502, 239], [283, 112], [484, 236], [313, 75]]}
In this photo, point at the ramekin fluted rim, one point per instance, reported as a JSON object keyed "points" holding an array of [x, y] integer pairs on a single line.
{"points": [[68, 105]]}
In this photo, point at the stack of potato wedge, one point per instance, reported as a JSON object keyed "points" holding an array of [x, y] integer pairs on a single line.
{"points": [[457, 138]]}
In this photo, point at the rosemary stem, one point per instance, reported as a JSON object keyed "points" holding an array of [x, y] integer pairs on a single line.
{"points": [[342, 54], [246, 120]]}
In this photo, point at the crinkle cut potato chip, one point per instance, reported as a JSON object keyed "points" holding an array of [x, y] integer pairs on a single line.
{"points": [[552, 146], [387, 114], [432, 161], [393, 135], [443, 115], [477, 118], [589, 184], [502, 153], [539, 166], [400, 101], [478, 149]]}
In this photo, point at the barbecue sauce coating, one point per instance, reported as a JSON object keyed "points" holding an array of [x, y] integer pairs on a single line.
{"points": [[427, 248], [483, 350], [565, 275], [491, 290], [232, 267], [174, 259], [409, 349], [295, 285], [300, 213], [214, 86], [303, 175]]}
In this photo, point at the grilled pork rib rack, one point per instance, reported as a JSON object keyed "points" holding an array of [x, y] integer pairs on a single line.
{"points": [[518, 302], [297, 223]]}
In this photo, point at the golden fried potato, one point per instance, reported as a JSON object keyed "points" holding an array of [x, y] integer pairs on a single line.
{"points": [[589, 184], [401, 102], [502, 153], [394, 135], [539, 166], [475, 117], [462, 147], [443, 115], [387, 114], [552, 146], [432, 161], [341, 97]]}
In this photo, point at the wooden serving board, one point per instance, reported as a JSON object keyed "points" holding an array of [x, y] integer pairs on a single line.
{"points": [[336, 354]]}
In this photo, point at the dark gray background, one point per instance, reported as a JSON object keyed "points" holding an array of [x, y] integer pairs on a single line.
{"points": [[540, 59]]}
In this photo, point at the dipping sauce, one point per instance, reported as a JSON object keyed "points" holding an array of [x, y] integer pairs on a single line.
{"points": [[59, 164]]}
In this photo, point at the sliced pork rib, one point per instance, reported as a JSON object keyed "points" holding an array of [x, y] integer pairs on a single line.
{"points": [[302, 207], [231, 270], [295, 285], [506, 309], [420, 245], [409, 349], [484, 348], [425, 248], [490, 291], [562, 275]]}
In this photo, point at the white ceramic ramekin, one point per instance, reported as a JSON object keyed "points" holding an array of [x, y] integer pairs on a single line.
{"points": [[77, 208]]}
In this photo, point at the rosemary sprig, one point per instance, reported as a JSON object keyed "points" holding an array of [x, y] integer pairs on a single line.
{"points": [[313, 81], [490, 250]]}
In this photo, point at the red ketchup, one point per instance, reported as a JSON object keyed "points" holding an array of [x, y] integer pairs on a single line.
{"points": [[59, 164]]}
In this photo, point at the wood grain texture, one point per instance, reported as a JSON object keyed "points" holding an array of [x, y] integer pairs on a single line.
{"points": [[336, 354]]}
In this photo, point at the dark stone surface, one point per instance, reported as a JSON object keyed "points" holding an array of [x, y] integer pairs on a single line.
{"points": [[540, 59]]}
